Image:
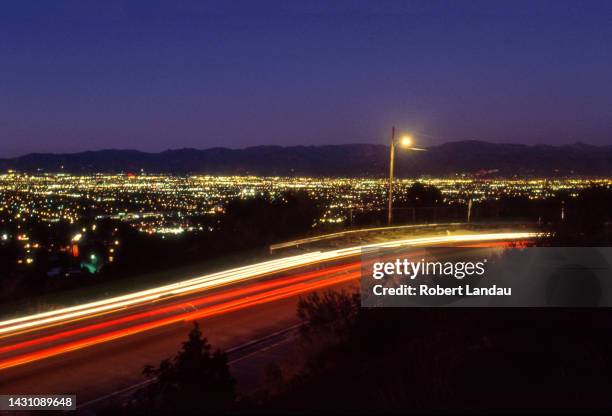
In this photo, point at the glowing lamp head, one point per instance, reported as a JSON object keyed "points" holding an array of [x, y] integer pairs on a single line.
{"points": [[406, 141]]}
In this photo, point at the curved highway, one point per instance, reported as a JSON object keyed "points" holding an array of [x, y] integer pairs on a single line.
{"points": [[98, 347]]}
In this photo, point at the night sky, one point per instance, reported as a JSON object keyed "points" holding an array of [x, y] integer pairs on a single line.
{"points": [[85, 75]]}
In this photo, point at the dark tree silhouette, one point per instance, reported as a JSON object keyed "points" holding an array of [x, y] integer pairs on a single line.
{"points": [[331, 313], [196, 381], [585, 219], [259, 221], [419, 195]]}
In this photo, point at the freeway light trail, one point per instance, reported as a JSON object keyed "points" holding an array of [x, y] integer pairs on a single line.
{"points": [[34, 337], [234, 276], [225, 307], [238, 292]]}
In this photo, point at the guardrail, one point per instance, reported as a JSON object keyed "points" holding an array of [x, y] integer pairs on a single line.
{"points": [[309, 240]]}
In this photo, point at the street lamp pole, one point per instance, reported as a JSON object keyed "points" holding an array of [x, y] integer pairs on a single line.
{"points": [[391, 166], [406, 142]]}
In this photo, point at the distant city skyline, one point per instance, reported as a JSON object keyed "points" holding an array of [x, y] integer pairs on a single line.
{"points": [[155, 75]]}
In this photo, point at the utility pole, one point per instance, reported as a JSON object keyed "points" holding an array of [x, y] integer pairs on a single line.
{"points": [[469, 211], [391, 165]]}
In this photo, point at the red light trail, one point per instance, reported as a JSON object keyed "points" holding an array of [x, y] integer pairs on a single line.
{"points": [[31, 338]]}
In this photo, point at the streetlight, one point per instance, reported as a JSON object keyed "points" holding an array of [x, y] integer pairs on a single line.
{"points": [[405, 142]]}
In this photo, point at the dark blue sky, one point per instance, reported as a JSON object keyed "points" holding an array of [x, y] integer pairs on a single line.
{"points": [[80, 75]]}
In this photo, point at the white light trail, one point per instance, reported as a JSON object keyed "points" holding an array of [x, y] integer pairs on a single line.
{"points": [[235, 275]]}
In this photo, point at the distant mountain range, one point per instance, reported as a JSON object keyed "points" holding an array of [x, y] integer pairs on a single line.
{"points": [[469, 157]]}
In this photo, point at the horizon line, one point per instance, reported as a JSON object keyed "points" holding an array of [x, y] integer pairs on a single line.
{"points": [[114, 149]]}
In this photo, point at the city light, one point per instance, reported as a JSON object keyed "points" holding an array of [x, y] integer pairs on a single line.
{"points": [[169, 204]]}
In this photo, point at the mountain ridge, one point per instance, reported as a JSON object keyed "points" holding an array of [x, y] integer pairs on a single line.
{"points": [[357, 159]]}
